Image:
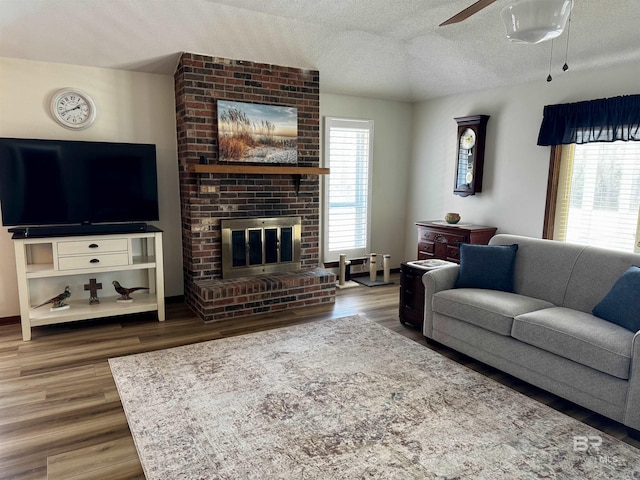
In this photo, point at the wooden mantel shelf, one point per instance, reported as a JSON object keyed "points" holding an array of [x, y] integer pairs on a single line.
{"points": [[258, 169]]}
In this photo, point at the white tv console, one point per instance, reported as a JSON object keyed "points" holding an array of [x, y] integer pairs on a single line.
{"points": [[46, 265]]}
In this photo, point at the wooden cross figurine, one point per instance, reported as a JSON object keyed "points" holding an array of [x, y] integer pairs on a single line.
{"points": [[93, 288]]}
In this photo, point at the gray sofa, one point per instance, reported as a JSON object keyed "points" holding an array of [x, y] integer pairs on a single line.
{"points": [[544, 332]]}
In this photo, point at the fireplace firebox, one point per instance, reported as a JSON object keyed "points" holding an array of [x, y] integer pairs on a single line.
{"points": [[258, 246]]}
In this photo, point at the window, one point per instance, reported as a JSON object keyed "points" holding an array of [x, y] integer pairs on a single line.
{"points": [[598, 200], [348, 147]]}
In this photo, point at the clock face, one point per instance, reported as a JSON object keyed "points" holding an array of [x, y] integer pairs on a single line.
{"points": [[468, 139], [73, 109]]}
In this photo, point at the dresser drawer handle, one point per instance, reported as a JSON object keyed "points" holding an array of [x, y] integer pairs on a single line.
{"points": [[93, 245], [408, 292], [94, 260]]}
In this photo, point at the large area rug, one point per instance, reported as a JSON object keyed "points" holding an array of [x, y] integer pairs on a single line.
{"points": [[345, 399]]}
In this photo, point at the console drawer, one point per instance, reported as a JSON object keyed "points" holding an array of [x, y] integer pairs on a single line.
{"points": [[440, 236], [453, 253], [425, 247], [430, 236], [93, 246], [93, 261], [451, 239]]}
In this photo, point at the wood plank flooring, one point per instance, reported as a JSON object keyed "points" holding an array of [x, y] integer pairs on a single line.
{"points": [[60, 414]]}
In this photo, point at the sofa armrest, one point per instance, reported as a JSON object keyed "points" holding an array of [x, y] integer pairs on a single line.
{"points": [[632, 409], [435, 281]]}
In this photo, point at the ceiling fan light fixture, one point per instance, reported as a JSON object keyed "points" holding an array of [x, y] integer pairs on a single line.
{"points": [[534, 21]]}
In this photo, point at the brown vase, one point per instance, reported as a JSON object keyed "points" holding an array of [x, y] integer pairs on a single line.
{"points": [[452, 218]]}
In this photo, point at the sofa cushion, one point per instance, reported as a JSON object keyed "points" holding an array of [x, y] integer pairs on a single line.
{"points": [[490, 309], [577, 336], [543, 267], [622, 304], [487, 266]]}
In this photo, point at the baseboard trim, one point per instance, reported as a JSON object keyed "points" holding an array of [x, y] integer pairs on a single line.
{"points": [[174, 299], [379, 273], [10, 320]]}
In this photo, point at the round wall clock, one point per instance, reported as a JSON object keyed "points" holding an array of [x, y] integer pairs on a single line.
{"points": [[468, 139], [73, 109]]}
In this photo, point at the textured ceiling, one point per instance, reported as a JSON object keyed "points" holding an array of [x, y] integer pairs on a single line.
{"points": [[390, 49]]}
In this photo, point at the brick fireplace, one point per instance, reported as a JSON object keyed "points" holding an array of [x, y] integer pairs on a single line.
{"points": [[208, 198]]}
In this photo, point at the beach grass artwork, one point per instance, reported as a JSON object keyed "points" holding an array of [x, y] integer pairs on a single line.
{"points": [[255, 133]]}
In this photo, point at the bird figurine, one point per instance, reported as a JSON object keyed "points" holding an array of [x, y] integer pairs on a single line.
{"points": [[58, 300], [125, 293]]}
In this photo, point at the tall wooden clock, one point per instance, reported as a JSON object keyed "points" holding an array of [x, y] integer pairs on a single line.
{"points": [[470, 154]]}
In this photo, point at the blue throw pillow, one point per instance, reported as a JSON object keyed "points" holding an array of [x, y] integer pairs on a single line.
{"points": [[622, 304], [487, 266]]}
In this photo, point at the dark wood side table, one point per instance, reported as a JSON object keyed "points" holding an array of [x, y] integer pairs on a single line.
{"points": [[412, 289], [411, 295], [438, 239]]}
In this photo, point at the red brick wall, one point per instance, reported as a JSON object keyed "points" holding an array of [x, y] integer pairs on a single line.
{"points": [[206, 198]]}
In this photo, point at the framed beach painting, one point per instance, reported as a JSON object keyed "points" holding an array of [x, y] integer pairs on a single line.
{"points": [[255, 133]]}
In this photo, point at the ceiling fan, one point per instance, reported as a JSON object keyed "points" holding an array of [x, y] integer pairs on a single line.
{"points": [[526, 21], [467, 12]]}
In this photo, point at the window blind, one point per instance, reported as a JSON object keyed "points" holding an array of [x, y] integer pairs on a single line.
{"points": [[599, 195], [347, 199]]}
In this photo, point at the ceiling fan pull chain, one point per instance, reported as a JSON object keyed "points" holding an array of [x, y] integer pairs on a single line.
{"points": [[565, 67], [549, 77]]}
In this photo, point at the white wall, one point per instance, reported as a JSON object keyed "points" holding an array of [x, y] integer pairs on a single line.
{"points": [[131, 107], [414, 148], [390, 169], [515, 172]]}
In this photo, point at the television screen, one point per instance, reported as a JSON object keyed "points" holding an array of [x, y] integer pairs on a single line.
{"points": [[54, 182]]}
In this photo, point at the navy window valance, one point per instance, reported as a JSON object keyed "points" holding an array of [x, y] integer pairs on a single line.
{"points": [[602, 120]]}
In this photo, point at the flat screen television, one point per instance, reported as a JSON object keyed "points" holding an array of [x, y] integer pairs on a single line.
{"points": [[60, 182]]}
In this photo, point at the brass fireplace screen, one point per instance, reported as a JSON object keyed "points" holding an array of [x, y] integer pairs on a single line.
{"points": [[256, 246]]}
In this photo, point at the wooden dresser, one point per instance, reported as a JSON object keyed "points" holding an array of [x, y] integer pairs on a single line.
{"points": [[438, 239]]}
